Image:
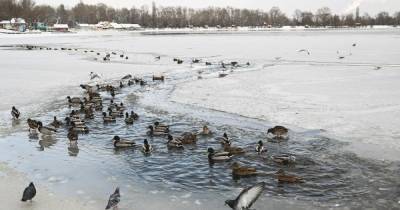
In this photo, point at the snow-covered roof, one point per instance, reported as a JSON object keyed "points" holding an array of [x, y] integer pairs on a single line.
{"points": [[83, 25], [17, 20], [61, 26], [5, 22]]}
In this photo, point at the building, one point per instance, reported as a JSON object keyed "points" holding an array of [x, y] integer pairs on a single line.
{"points": [[15, 24], [5, 24], [40, 26], [60, 28]]}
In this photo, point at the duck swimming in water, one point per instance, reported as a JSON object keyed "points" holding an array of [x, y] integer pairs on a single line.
{"points": [[233, 150], [108, 119], [46, 130], [284, 159], [174, 143], [159, 126], [56, 123], [279, 132], [224, 139], [128, 120], [241, 171], [33, 124], [260, 147], [15, 113], [218, 156], [188, 138], [205, 131], [146, 148], [285, 178], [72, 136], [122, 143]]}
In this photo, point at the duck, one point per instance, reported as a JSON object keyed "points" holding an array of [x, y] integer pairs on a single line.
{"points": [[15, 113], [128, 120], [108, 119], [278, 132], [46, 130], [205, 131], [241, 171], [247, 197], [120, 107], [161, 78], [161, 127], [260, 147], [128, 76], [153, 132], [284, 159], [81, 128], [33, 124], [72, 135], [74, 100], [174, 143], [224, 139], [134, 115], [286, 178], [147, 148], [219, 156], [233, 150], [188, 138], [118, 143], [56, 123]]}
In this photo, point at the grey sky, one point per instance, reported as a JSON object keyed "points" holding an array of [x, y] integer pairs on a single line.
{"points": [[288, 6]]}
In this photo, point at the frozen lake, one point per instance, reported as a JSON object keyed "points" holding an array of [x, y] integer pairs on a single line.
{"points": [[341, 101]]}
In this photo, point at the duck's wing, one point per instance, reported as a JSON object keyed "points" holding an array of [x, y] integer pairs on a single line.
{"points": [[249, 196]]}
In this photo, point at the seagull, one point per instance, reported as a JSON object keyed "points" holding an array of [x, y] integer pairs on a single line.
{"points": [[94, 76], [15, 113], [304, 50], [247, 197], [114, 199], [29, 193]]}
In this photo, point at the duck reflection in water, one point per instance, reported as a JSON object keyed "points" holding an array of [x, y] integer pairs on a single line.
{"points": [[46, 142], [73, 149]]}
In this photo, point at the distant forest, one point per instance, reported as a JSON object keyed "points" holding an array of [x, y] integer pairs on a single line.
{"points": [[155, 16]]}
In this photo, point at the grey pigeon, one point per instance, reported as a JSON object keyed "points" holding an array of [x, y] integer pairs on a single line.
{"points": [[29, 192], [247, 197], [114, 199]]}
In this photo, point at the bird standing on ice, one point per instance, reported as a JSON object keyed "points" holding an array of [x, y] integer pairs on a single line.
{"points": [[247, 197], [15, 113], [29, 193]]}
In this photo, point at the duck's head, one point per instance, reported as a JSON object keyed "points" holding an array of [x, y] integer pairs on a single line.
{"points": [[116, 139], [68, 97], [145, 142], [270, 130], [260, 143], [235, 165], [40, 124], [55, 118], [205, 128], [104, 114], [230, 203], [225, 135], [170, 138], [156, 123], [13, 108], [210, 150], [121, 104]]}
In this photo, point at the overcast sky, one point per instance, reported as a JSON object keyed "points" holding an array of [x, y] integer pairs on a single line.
{"points": [[288, 6]]}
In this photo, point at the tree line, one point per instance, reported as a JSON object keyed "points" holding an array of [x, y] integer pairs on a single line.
{"points": [[178, 17]]}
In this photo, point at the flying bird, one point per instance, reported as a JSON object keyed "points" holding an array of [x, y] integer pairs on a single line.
{"points": [[247, 197], [114, 199], [29, 193], [304, 50]]}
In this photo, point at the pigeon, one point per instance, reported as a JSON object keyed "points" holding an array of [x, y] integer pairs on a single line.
{"points": [[247, 197], [29, 193], [114, 199], [15, 113]]}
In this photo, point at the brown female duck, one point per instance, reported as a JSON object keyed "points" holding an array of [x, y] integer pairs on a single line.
{"points": [[286, 178]]}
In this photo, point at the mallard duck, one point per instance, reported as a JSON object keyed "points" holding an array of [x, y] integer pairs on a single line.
{"points": [[284, 159], [161, 127], [146, 148], [283, 177], [233, 150], [240, 171], [118, 143], [72, 135], [80, 128], [174, 143], [33, 124], [134, 115], [74, 100], [120, 107], [46, 130], [224, 139], [153, 132], [205, 131], [56, 123], [161, 78], [260, 147], [219, 156], [15, 113], [278, 132], [108, 119], [128, 120], [188, 138]]}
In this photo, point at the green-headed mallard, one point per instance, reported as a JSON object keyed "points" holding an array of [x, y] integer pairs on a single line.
{"points": [[108, 119], [260, 147], [122, 143], [218, 156], [147, 148], [153, 132]]}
